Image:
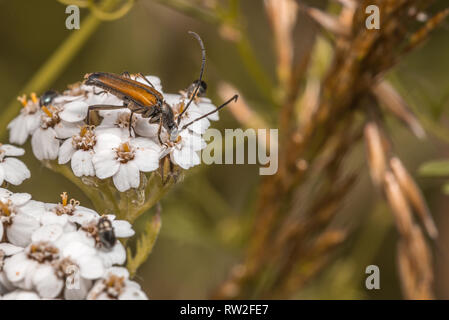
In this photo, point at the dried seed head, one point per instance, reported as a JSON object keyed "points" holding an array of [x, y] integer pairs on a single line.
{"points": [[413, 193], [375, 153], [414, 264], [399, 205], [282, 15], [43, 252], [392, 100], [329, 22]]}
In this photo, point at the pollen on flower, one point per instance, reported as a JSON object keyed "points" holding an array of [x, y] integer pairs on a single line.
{"points": [[50, 118], [23, 100], [114, 285], [34, 97], [29, 107], [123, 120], [64, 267], [66, 206], [43, 251], [125, 152], [86, 139], [6, 211]]}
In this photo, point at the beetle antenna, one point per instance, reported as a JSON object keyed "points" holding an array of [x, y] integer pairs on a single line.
{"points": [[203, 64], [234, 98]]}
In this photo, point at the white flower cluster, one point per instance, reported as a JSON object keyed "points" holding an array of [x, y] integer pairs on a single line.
{"points": [[112, 149], [61, 251]]}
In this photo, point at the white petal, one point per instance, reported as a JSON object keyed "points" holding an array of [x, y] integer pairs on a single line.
{"points": [[20, 231], [155, 81], [128, 176], [83, 215], [205, 107], [91, 267], [122, 228], [2, 174], [117, 271], [1, 231], [32, 121], [185, 158], [33, 208], [20, 199], [108, 140], [172, 99], [11, 150], [67, 239], [77, 249], [66, 129], [146, 129], [4, 193], [48, 233], [18, 130], [115, 256], [146, 160], [21, 295], [5, 284], [16, 267], [44, 144], [74, 111], [132, 293], [192, 141], [105, 164], [51, 218], [66, 151], [145, 143], [82, 163], [199, 126], [9, 249], [47, 284], [15, 171]]}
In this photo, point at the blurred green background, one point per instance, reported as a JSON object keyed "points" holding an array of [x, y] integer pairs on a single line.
{"points": [[207, 216]]}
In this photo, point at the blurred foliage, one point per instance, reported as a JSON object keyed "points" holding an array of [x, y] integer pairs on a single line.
{"points": [[207, 216]]}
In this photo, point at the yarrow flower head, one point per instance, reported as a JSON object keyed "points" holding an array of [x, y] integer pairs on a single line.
{"points": [[79, 150], [115, 285], [47, 137], [123, 145], [60, 250], [124, 159]]}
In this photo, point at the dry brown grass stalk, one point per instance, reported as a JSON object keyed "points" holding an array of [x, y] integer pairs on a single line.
{"points": [[292, 240]]}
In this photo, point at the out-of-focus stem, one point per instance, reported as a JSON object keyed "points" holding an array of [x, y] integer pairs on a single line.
{"points": [[53, 67]]}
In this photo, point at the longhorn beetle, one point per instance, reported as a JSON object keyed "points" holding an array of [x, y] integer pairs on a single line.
{"points": [[145, 100]]}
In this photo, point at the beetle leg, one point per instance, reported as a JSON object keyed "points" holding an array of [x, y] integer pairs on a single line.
{"points": [[126, 74], [99, 92], [98, 107], [159, 130], [140, 74], [130, 122]]}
